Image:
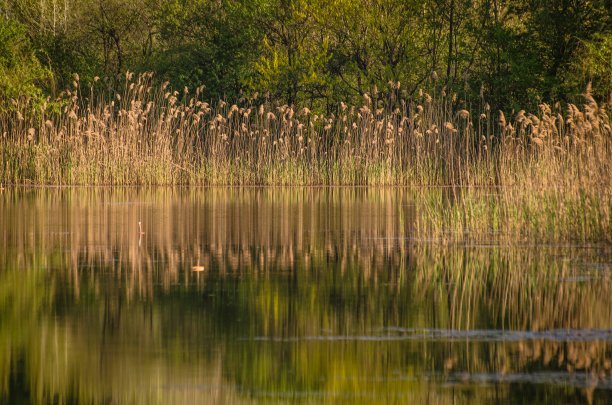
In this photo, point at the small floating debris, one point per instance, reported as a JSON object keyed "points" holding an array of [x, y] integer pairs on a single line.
{"points": [[140, 232], [197, 268]]}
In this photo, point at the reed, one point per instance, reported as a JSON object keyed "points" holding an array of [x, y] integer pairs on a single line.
{"points": [[553, 166], [139, 133]]}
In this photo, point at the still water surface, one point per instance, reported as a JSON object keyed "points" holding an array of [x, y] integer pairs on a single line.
{"points": [[329, 295]]}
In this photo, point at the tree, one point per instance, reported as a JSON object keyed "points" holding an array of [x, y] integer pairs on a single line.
{"points": [[205, 42], [22, 76]]}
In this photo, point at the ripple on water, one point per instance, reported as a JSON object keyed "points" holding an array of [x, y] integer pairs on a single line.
{"points": [[451, 335]]}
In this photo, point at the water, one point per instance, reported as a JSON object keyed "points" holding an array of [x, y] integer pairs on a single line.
{"points": [[308, 295]]}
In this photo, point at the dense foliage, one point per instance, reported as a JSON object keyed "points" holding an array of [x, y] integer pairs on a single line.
{"points": [[316, 52]]}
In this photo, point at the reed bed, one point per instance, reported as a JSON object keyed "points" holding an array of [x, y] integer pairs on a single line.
{"points": [[138, 133], [550, 170]]}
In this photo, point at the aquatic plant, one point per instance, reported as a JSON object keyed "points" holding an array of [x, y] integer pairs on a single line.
{"points": [[553, 166]]}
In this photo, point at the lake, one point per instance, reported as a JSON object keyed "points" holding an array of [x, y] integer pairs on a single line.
{"points": [[308, 295]]}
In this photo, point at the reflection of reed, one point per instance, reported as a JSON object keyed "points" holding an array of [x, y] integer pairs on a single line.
{"points": [[224, 229], [354, 266], [525, 290], [255, 230]]}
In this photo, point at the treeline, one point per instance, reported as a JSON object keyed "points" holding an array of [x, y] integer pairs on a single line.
{"points": [[314, 53]]}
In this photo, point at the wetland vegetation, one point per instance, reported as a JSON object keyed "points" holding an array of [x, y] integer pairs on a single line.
{"points": [[320, 93], [548, 175], [305, 201]]}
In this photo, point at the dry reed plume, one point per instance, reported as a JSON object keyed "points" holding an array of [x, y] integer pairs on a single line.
{"points": [[146, 134]]}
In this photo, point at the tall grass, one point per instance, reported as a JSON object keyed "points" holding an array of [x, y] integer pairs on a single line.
{"points": [[554, 165], [145, 134]]}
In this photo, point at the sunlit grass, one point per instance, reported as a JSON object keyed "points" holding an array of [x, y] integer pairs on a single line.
{"points": [[551, 170]]}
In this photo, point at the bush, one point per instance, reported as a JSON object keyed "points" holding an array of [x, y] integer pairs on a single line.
{"points": [[22, 76]]}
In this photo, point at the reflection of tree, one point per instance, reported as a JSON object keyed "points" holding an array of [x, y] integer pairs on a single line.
{"points": [[24, 297], [96, 318]]}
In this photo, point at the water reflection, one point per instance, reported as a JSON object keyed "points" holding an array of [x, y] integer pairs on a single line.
{"points": [[307, 294]]}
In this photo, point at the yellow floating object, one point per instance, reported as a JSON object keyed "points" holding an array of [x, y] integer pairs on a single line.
{"points": [[197, 268]]}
